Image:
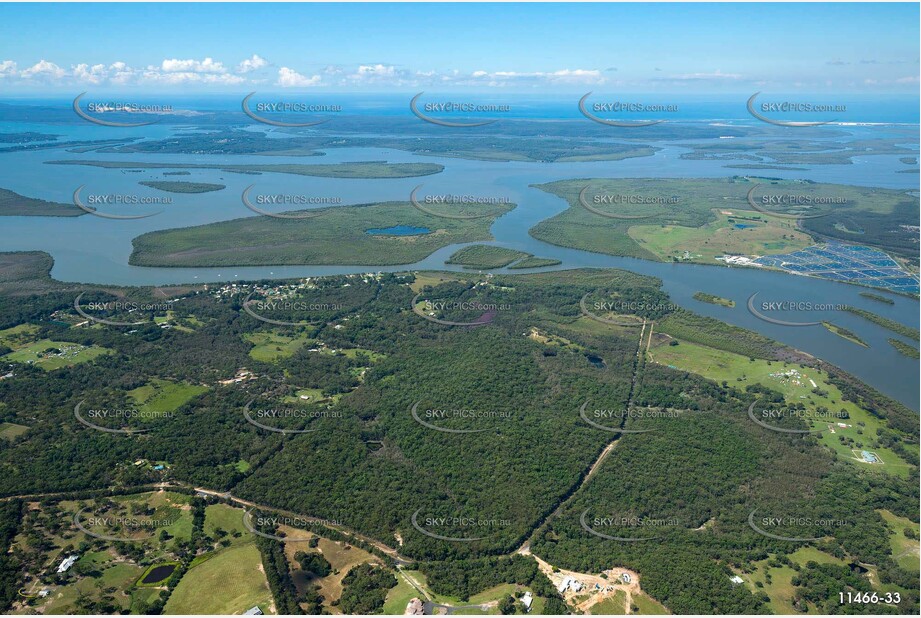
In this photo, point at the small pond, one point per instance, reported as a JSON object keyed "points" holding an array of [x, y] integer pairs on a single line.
{"points": [[158, 573]]}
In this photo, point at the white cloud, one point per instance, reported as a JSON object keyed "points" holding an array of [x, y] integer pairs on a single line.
{"points": [[184, 77], [289, 78], [378, 74], [252, 64], [562, 76], [95, 74], [715, 76], [43, 68], [208, 65], [7, 68]]}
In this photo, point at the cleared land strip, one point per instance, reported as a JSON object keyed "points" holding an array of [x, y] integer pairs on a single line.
{"points": [[525, 548]]}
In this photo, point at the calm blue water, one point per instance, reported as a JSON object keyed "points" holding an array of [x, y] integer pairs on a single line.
{"points": [[95, 250], [899, 109]]}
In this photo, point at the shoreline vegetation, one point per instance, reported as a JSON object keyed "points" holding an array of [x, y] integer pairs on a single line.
{"points": [[704, 297], [337, 235], [896, 327], [176, 186], [845, 333], [877, 298], [13, 204], [904, 348], [356, 169], [482, 257]]}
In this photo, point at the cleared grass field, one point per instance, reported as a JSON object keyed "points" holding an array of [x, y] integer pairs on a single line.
{"points": [[340, 559], [164, 395], [687, 219], [50, 355], [647, 606], [399, 596], [432, 279], [236, 578], [796, 384], [780, 589], [9, 431], [905, 551], [270, 346], [227, 518], [18, 336], [719, 237], [615, 605], [168, 506], [118, 576]]}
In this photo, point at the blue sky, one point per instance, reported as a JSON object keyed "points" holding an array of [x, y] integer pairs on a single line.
{"points": [[671, 48]]}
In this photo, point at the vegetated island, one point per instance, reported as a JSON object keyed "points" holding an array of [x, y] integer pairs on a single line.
{"points": [[177, 173], [704, 297], [534, 262], [176, 186], [26, 136], [703, 220], [878, 298], [904, 348], [896, 327], [357, 169], [845, 333], [765, 166], [524, 141], [14, 205], [339, 235], [478, 257]]}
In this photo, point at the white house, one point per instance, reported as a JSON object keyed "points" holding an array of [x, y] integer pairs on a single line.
{"points": [[735, 579], [67, 563], [570, 583], [527, 599]]}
